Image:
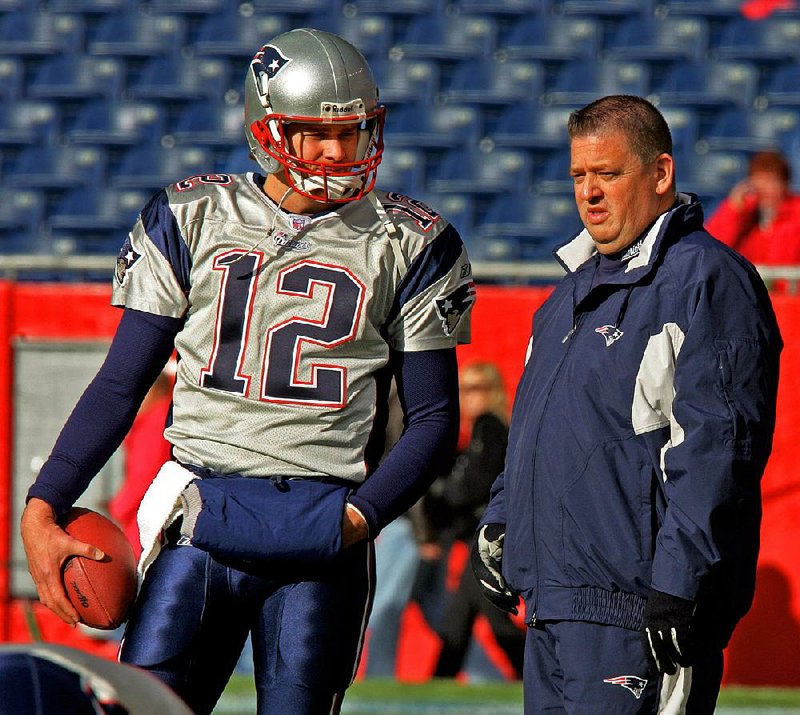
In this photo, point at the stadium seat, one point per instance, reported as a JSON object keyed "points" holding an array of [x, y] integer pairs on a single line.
{"points": [[782, 88], [402, 169], [739, 130], [90, 7], [684, 125], [406, 80], [195, 7], [238, 161], [475, 171], [505, 7], [77, 78], [457, 209], [494, 82], [134, 34], [221, 126], [21, 210], [577, 82], [709, 84], [773, 39], [26, 121], [660, 39], [605, 8], [118, 123], [532, 126], [12, 71], [372, 34], [707, 8], [710, 175], [98, 209], [296, 7], [172, 79], [428, 8], [154, 167], [449, 38], [235, 35], [439, 126], [551, 174], [552, 39], [40, 34], [58, 168]]}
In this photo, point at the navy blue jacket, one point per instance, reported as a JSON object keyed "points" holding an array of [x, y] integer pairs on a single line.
{"points": [[641, 428]]}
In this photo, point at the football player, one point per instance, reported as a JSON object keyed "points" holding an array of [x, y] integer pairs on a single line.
{"points": [[292, 298]]}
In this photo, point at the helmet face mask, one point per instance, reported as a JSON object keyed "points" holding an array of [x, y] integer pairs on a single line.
{"points": [[311, 77]]}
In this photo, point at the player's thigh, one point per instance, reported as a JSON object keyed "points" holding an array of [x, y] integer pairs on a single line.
{"points": [[308, 637], [188, 625], [578, 668]]}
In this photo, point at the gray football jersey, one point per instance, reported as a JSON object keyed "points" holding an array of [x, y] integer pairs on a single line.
{"points": [[289, 319]]}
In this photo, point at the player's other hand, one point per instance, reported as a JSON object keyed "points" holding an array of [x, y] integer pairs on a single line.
{"points": [[47, 547], [668, 625], [486, 558], [354, 526]]}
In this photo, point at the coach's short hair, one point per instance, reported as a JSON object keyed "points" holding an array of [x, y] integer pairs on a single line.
{"points": [[637, 118]]}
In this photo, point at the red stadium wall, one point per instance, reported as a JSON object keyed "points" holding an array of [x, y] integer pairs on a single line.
{"points": [[764, 649]]}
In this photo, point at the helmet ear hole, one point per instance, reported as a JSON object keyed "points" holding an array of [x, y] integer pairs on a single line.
{"points": [[313, 76]]}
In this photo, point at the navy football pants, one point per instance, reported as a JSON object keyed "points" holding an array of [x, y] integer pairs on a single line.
{"points": [[193, 614], [588, 668]]}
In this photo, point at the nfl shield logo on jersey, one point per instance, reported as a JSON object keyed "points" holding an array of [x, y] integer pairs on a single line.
{"points": [[452, 306]]}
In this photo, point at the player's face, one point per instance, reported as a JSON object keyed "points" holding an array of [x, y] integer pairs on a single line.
{"points": [[326, 143], [617, 194]]}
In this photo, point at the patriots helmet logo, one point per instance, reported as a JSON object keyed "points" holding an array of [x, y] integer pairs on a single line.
{"points": [[454, 305], [125, 261], [630, 682], [610, 332], [266, 63]]}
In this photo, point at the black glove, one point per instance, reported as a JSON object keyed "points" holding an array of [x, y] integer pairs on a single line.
{"points": [[668, 623], [486, 558]]}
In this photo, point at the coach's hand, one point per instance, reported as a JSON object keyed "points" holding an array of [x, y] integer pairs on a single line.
{"points": [[668, 624], [486, 559], [47, 547]]}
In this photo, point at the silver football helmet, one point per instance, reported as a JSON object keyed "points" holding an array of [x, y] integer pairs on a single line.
{"points": [[313, 76]]}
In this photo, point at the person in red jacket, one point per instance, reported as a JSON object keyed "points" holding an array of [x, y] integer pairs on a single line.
{"points": [[760, 218]]}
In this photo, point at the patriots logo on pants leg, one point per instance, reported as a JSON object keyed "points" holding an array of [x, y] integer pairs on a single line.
{"points": [[630, 682]]}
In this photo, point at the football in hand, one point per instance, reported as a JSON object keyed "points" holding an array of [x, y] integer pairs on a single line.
{"points": [[101, 591]]}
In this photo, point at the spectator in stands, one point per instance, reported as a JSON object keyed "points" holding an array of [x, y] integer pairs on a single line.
{"points": [[760, 218], [455, 502], [627, 514]]}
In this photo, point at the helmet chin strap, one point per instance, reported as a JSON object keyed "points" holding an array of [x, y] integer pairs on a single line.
{"points": [[271, 229]]}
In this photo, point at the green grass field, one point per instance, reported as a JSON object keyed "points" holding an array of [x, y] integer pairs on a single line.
{"points": [[388, 697]]}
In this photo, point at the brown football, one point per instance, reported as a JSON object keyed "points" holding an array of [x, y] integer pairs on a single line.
{"points": [[101, 591]]}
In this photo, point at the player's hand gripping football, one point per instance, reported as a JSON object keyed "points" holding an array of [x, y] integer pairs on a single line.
{"points": [[47, 547], [668, 624], [486, 558]]}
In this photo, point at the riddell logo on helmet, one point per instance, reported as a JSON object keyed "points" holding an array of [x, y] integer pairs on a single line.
{"points": [[334, 109]]}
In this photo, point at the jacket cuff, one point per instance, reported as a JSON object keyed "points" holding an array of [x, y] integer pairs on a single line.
{"points": [[369, 513]]}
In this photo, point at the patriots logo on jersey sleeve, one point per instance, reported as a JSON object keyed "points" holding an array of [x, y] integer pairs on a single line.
{"points": [[125, 261], [630, 682], [453, 306]]}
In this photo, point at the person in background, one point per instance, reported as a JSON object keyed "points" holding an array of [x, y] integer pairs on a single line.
{"points": [[760, 218], [457, 502], [627, 514]]}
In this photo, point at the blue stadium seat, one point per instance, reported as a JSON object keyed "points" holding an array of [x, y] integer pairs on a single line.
{"points": [[551, 174], [782, 88], [505, 7], [235, 35], [21, 210], [684, 124], [439, 127], [97, 209], [118, 123], [77, 78], [134, 34], [494, 82], [707, 8], [457, 209], [479, 172], [577, 82], [532, 126], [172, 79], [713, 83], [773, 39], [710, 175], [12, 72], [740, 130], [26, 121], [296, 7], [90, 7], [660, 39], [238, 161], [605, 8], [402, 169], [428, 8], [58, 168], [153, 167], [221, 126], [41, 34], [195, 7], [372, 34], [552, 39], [406, 80], [450, 38]]}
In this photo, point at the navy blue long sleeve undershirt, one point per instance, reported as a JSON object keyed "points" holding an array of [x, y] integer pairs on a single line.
{"points": [[427, 386]]}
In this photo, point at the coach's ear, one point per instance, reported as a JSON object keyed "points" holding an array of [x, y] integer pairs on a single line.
{"points": [[665, 175]]}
